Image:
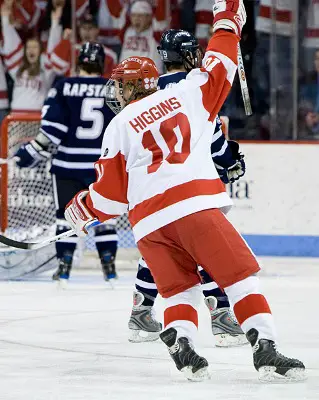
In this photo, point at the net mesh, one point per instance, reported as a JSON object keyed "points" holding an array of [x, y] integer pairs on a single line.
{"points": [[31, 208]]}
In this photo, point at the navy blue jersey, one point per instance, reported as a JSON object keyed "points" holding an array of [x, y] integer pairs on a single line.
{"points": [[221, 153], [74, 117], [170, 79]]}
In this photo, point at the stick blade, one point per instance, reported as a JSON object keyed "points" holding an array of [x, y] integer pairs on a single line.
{"points": [[14, 243]]}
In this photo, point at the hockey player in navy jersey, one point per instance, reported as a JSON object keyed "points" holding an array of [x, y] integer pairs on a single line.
{"points": [[180, 53], [74, 118]]}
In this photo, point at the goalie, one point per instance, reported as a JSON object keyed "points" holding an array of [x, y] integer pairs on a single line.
{"points": [[74, 118]]}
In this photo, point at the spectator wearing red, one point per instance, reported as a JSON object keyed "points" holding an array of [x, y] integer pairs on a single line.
{"points": [[25, 13], [139, 38], [29, 68], [113, 19], [88, 32], [4, 103]]}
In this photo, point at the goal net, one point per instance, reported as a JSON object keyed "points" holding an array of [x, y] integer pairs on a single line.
{"points": [[28, 210]]}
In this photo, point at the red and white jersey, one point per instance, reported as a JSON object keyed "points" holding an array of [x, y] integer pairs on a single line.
{"points": [[26, 12], [4, 103], [141, 44], [112, 17], [61, 58], [155, 160], [312, 30], [29, 92], [283, 14], [204, 17]]}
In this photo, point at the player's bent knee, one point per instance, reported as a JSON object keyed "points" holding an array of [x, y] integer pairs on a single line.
{"points": [[243, 288]]}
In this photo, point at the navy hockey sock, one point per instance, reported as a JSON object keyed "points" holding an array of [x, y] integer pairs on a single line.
{"points": [[210, 288], [145, 284]]}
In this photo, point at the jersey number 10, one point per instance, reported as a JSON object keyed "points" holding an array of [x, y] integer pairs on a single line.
{"points": [[176, 133]]}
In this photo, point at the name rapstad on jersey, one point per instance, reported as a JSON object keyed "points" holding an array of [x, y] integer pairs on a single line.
{"points": [[83, 89]]}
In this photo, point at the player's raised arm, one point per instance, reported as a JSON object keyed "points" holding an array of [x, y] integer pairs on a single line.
{"points": [[220, 61]]}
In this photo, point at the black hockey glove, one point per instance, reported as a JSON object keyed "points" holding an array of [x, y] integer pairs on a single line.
{"points": [[31, 154], [236, 170]]}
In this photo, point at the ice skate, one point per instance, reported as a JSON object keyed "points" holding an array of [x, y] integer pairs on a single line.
{"points": [[226, 330], [62, 274], [271, 365], [193, 366], [142, 324], [109, 271]]}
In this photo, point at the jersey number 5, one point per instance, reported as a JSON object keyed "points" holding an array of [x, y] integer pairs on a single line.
{"points": [[91, 112], [176, 133]]}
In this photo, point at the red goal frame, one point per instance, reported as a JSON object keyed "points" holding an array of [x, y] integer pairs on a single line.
{"points": [[13, 117]]}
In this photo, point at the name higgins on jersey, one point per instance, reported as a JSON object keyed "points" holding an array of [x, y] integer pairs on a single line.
{"points": [[74, 117], [221, 154]]}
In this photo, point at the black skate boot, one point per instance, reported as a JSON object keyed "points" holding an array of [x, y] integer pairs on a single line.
{"points": [[142, 324], [271, 365], [108, 266], [194, 367], [65, 265]]}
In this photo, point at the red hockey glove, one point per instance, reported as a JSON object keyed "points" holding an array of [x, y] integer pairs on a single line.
{"points": [[229, 15], [78, 215]]}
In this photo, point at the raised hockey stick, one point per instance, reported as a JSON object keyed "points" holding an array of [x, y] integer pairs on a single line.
{"points": [[34, 245], [243, 83]]}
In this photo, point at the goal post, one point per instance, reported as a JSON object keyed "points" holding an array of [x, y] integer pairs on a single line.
{"points": [[28, 209]]}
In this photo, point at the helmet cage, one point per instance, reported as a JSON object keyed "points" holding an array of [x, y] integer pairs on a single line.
{"points": [[110, 97]]}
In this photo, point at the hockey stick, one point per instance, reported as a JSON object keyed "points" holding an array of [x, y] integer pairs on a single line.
{"points": [[243, 83], [7, 160], [34, 245]]}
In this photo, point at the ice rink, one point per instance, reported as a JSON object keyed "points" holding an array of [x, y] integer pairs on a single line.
{"points": [[72, 344]]}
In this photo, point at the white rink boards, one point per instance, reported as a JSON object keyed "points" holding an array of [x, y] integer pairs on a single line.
{"points": [[72, 344]]}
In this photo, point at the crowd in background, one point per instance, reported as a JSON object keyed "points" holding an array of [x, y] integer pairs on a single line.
{"points": [[36, 49]]}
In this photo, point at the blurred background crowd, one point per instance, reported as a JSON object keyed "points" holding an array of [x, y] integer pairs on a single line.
{"points": [[280, 46]]}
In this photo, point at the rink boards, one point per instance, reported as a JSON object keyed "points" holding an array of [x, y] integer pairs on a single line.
{"points": [[276, 202]]}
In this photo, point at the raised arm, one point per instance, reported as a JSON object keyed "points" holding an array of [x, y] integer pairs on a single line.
{"points": [[220, 61], [12, 44]]}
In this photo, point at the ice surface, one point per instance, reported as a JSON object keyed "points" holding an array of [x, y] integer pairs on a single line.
{"points": [[72, 344]]}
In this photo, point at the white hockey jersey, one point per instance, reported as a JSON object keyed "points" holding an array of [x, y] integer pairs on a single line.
{"points": [[283, 14], [156, 161], [141, 44]]}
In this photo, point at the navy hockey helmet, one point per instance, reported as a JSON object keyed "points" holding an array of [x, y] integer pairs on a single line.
{"points": [[180, 47], [91, 58]]}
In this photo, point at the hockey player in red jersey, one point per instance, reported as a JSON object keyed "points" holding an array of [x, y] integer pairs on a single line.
{"points": [[156, 164]]}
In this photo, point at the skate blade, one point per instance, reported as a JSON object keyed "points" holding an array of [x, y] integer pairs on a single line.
{"points": [[269, 375], [62, 284], [198, 376], [227, 340], [111, 282], [139, 336]]}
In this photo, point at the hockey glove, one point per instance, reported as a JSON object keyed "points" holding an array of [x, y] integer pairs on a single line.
{"points": [[78, 214], [229, 15], [235, 171], [31, 154]]}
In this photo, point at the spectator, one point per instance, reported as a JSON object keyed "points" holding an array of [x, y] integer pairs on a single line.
{"points": [[25, 13], [282, 59], [31, 73], [308, 113], [311, 41], [112, 16], [88, 32], [139, 37], [204, 17], [4, 104]]}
